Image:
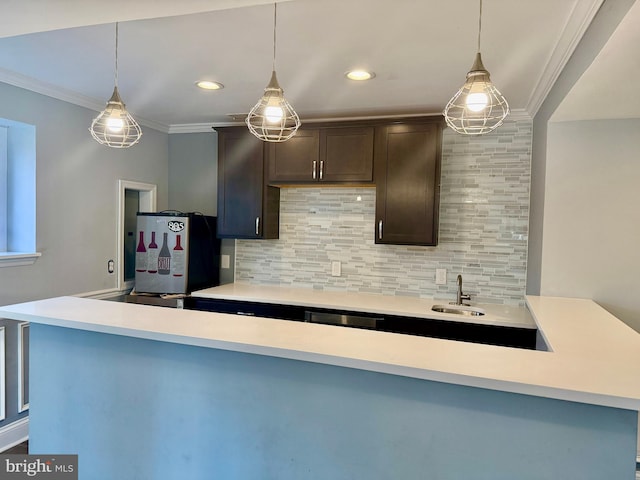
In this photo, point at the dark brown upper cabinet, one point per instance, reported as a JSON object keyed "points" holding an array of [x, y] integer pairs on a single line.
{"points": [[407, 165], [247, 206], [329, 155]]}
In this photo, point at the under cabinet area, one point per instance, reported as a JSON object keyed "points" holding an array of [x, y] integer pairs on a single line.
{"points": [[407, 164], [330, 155], [247, 206]]}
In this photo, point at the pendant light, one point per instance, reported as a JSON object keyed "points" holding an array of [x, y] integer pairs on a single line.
{"points": [[478, 107], [273, 119], [115, 127]]}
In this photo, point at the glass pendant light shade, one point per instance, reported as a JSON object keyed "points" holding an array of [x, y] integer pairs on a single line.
{"points": [[115, 127], [273, 119], [478, 107]]}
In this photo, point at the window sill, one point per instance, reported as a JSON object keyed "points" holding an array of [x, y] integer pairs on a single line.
{"points": [[18, 259]]}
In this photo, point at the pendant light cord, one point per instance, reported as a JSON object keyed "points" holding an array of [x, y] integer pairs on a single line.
{"points": [[479, 25], [116, 76], [275, 14]]}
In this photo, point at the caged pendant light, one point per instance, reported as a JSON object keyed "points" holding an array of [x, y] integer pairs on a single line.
{"points": [[478, 107], [115, 127], [273, 119]]}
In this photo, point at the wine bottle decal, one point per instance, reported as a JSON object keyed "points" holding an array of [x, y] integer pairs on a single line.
{"points": [[164, 258], [141, 255], [152, 255], [178, 259]]}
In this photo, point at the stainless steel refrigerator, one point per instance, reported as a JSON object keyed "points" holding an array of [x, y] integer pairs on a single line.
{"points": [[176, 253]]}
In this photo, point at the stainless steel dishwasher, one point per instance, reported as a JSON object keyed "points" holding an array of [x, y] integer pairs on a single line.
{"points": [[349, 320]]}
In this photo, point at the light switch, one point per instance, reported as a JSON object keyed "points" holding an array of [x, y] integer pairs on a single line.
{"points": [[441, 276], [225, 261], [336, 269]]}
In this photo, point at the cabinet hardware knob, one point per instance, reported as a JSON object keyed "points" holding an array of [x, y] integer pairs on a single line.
{"points": [[313, 170], [321, 169], [380, 229], [257, 225]]}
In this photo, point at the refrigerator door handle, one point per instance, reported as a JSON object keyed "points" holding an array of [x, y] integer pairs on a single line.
{"points": [[257, 225]]}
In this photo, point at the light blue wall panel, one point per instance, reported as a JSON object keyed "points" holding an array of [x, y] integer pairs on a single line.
{"points": [[140, 409]]}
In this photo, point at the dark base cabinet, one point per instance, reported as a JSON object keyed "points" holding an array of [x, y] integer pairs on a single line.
{"points": [[267, 310], [425, 327]]}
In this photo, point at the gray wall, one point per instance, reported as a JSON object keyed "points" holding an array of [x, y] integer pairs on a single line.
{"points": [[193, 181], [591, 228], [603, 25], [193, 172], [76, 196]]}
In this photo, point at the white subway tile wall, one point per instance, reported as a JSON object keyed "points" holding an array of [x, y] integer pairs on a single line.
{"points": [[484, 220]]}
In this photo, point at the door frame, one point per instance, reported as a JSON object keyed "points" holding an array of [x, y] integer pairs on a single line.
{"points": [[148, 196]]}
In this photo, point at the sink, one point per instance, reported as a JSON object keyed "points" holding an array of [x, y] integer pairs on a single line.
{"points": [[458, 310]]}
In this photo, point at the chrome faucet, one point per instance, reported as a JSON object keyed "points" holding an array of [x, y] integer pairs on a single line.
{"points": [[460, 297]]}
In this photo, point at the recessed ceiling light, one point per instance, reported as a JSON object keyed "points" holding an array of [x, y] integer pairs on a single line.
{"points": [[208, 85], [359, 75]]}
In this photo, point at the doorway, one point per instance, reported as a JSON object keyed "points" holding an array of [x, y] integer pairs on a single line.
{"points": [[131, 208], [133, 197]]}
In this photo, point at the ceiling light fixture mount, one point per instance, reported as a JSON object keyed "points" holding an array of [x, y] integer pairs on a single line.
{"points": [[478, 107], [114, 126], [273, 119]]}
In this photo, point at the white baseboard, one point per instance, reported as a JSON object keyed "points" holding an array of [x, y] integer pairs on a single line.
{"points": [[14, 433]]}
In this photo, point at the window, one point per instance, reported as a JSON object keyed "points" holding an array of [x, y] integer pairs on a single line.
{"points": [[3, 189], [17, 193]]}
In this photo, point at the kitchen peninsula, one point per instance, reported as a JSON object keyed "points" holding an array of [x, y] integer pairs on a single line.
{"points": [[147, 392]]}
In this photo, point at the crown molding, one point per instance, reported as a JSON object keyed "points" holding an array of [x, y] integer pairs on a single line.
{"points": [[519, 114], [514, 115], [49, 90], [191, 128], [579, 20]]}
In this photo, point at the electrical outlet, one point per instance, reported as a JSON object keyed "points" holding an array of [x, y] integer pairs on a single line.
{"points": [[225, 261], [441, 276], [336, 269], [111, 266]]}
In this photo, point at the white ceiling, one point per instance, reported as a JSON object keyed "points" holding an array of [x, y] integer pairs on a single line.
{"points": [[608, 89], [419, 49]]}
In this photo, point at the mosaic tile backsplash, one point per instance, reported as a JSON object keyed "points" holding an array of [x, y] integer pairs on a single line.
{"points": [[484, 218]]}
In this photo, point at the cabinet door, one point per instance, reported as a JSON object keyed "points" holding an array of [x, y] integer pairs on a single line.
{"points": [[407, 162], [247, 208], [296, 160], [346, 155], [332, 155]]}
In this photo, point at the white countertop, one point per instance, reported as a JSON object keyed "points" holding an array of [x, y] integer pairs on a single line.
{"points": [[595, 357], [506, 316]]}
